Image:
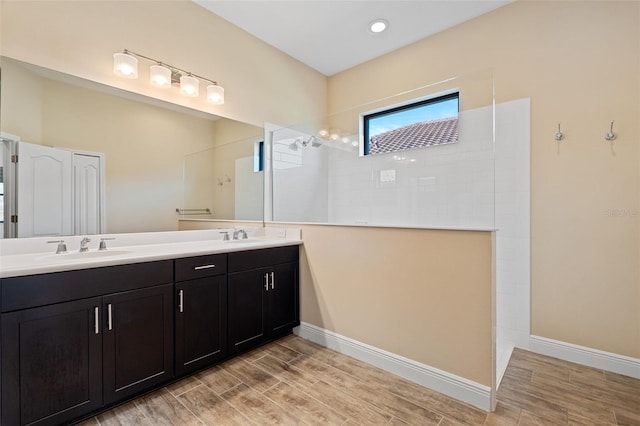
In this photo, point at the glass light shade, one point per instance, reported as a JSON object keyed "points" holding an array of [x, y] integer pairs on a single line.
{"points": [[125, 65], [323, 133], [189, 86], [215, 94], [160, 76]]}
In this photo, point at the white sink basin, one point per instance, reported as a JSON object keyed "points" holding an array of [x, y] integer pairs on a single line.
{"points": [[87, 254]]}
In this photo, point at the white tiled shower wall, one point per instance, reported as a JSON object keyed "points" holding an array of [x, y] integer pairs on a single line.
{"points": [[441, 186], [462, 185], [513, 218]]}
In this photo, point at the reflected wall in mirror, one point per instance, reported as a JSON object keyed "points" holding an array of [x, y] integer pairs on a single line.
{"points": [[144, 141], [229, 178]]}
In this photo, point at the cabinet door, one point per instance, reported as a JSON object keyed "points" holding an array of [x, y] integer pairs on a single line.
{"points": [[51, 363], [201, 322], [282, 299], [88, 194], [246, 313], [138, 341]]}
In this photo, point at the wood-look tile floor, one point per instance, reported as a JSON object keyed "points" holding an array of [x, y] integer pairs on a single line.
{"points": [[295, 382]]}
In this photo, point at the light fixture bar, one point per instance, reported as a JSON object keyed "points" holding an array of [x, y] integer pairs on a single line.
{"points": [[164, 64]]}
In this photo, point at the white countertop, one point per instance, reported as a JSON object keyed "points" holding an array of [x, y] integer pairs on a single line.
{"points": [[16, 259]]}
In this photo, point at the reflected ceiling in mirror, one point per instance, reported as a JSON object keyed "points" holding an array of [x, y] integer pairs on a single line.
{"points": [[144, 141]]}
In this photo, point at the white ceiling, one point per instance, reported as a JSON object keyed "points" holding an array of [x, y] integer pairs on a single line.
{"points": [[333, 35]]}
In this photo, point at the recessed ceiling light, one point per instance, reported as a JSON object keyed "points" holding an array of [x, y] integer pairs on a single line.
{"points": [[378, 26]]}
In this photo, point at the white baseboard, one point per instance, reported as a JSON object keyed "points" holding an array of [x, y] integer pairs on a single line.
{"points": [[595, 358], [441, 381]]}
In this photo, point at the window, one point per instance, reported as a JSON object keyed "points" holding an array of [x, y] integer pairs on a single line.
{"points": [[258, 156], [428, 122]]}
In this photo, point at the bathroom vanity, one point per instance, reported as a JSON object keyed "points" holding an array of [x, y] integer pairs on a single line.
{"points": [[77, 341]]}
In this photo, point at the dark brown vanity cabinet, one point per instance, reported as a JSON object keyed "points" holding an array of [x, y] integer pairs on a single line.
{"points": [[263, 296], [51, 363], [75, 341], [201, 311]]}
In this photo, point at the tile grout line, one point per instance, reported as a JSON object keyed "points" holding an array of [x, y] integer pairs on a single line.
{"points": [[187, 408]]}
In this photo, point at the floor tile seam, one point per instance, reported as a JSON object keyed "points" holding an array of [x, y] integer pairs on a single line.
{"points": [[348, 418], [387, 389], [375, 408], [187, 408], [337, 368], [230, 389], [182, 393], [436, 402], [281, 379], [308, 396], [609, 423], [280, 406], [573, 391], [241, 380], [137, 405], [265, 396], [434, 410], [577, 413], [226, 401], [521, 406], [613, 390]]}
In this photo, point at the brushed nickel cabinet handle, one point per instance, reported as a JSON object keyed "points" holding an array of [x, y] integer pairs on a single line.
{"points": [[273, 279], [266, 281], [197, 268], [96, 319], [181, 301], [109, 317]]}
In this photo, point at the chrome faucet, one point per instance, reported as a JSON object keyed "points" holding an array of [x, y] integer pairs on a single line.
{"points": [[84, 244], [62, 247], [240, 234]]}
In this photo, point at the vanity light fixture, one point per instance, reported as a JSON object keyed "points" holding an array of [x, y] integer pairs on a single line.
{"points": [[163, 75]]}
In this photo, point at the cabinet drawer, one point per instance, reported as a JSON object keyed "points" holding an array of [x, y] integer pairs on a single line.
{"points": [[253, 259], [191, 268], [45, 289]]}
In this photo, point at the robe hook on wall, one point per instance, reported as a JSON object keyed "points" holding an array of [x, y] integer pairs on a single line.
{"points": [[610, 136], [559, 136]]}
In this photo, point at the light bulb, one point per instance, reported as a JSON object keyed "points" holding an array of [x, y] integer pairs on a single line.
{"points": [[215, 94], [323, 133], [160, 76], [125, 65], [189, 86]]}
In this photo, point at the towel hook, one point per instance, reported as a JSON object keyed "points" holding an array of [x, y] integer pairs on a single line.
{"points": [[559, 136], [610, 136]]}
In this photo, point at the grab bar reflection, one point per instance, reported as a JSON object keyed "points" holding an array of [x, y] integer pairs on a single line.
{"points": [[187, 212]]}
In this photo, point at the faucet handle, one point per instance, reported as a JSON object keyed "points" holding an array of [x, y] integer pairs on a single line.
{"points": [[62, 247], [103, 243], [225, 236]]}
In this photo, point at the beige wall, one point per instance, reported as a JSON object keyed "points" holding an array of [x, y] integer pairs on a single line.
{"points": [[79, 37], [403, 290], [579, 63]]}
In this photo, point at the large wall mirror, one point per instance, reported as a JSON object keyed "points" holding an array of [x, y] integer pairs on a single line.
{"points": [[156, 157]]}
